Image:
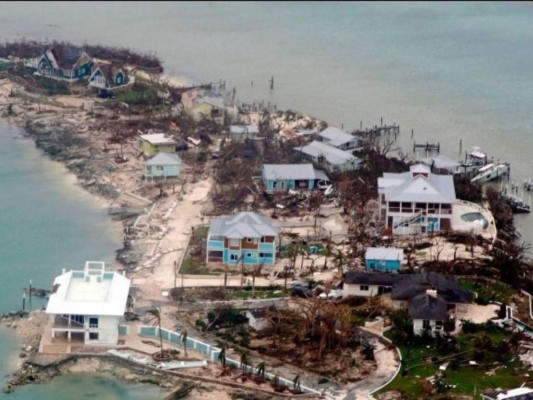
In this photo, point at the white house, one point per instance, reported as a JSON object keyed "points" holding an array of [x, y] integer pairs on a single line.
{"points": [[363, 284], [417, 201], [88, 306], [329, 157], [338, 138], [257, 319]]}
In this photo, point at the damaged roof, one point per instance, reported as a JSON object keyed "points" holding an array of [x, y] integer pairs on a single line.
{"points": [[426, 306], [447, 287]]}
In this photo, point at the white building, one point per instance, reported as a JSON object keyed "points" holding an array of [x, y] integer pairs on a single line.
{"points": [[338, 138], [329, 157], [88, 306], [416, 201]]}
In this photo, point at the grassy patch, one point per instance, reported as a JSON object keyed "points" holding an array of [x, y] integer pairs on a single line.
{"points": [[259, 294], [192, 266], [494, 366], [489, 291]]}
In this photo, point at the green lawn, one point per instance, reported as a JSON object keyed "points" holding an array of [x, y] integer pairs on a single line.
{"points": [[493, 291], [423, 361], [259, 294]]}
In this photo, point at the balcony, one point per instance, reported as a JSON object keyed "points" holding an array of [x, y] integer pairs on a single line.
{"points": [[215, 244], [267, 246]]}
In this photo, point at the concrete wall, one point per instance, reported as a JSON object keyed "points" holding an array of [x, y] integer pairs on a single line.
{"points": [[107, 330]]}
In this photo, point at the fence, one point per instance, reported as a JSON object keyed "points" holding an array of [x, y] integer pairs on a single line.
{"points": [[212, 352]]}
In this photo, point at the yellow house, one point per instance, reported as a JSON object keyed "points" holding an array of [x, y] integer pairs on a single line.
{"points": [[155, 143]]}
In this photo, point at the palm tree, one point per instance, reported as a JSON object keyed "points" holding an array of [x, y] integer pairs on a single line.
{"points": [[260, 370], [183, 338], [244, 361], [222, 355], [296, 384], [155, 314]]}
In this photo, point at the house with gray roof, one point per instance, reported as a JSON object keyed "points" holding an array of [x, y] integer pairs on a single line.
{"points": [[162, 165], [339, 138], [430, 298], [246, 238], [280, 177], [417, 201], [329, 157]]}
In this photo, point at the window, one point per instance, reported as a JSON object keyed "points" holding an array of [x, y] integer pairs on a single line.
{"points": [[438, 325], [250, 240], [249, 255], [234, 257], [265, 255], [426, 324], [159, 167], [93, 336], [364, 288], [234, 242], [93, 322]]}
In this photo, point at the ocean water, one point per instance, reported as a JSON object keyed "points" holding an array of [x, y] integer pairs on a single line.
{"points": [[47, 223], [449, 71]]}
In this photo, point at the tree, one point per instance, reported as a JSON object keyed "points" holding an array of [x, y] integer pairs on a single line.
{"points": [[222, 355], [183, 338], [260, 370], [244, 361], [155, 314]]}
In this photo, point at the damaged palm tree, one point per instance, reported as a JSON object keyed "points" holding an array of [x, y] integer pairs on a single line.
{"points": [[155, 314]]}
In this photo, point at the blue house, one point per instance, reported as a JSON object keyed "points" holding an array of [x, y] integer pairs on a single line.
{"points": [[108, 77], [63, 62], [279, 177], [383, 258], [246, 238], [162, 165]]}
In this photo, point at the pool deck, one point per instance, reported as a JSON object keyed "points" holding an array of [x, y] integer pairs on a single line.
{"points": [[462, 207]]}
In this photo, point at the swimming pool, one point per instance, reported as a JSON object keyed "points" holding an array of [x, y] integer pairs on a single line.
{"points": [[475, 216]]}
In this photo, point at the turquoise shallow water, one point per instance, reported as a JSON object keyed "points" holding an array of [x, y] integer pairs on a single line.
{"points": [[449, 71], [47, 223]]}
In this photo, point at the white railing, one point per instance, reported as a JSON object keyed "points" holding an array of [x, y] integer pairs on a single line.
{"points": [[212, 352]]}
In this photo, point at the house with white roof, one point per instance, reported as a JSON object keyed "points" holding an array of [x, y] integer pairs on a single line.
{"points": [[246, 238], [339, 138], [331, 158], [154, 143], [417, 201], [162, 165], [383, 258], [88, 306], [241, 132], [279, 177]]}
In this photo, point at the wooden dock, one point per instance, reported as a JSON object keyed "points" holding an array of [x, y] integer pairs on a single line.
{"points": [[378, 131], [428, 147]]}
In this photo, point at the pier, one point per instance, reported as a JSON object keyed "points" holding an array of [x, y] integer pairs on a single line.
{"points": [[378, 131], [428, 147]]}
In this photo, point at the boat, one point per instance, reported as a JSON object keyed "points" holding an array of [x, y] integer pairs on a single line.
{"points": [[491, 172], [476, 157], [518, 205]]}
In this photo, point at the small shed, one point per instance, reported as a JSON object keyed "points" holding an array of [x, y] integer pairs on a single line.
{"points": [[383, 258], [257, 318], [163, 165]]}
